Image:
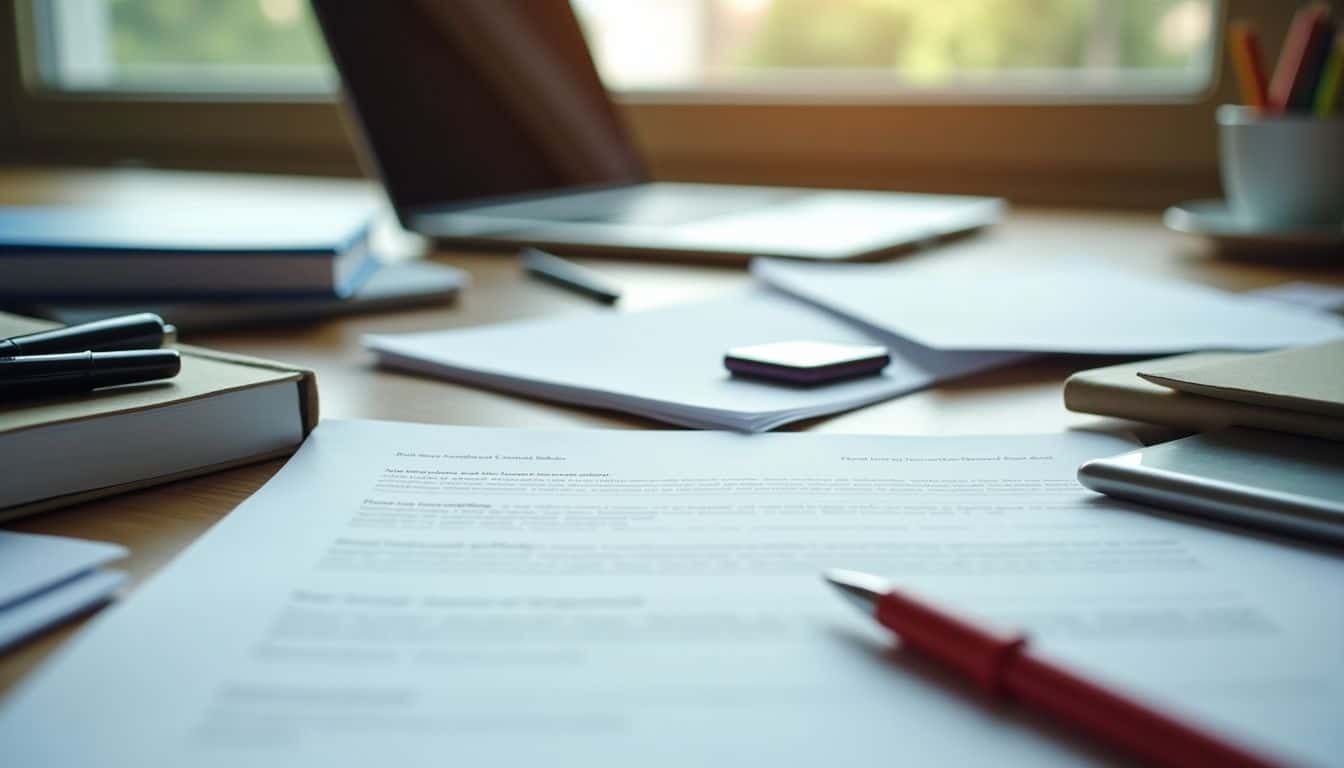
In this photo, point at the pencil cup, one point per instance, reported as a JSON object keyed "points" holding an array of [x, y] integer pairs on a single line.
{"points": [[1282, 171]]}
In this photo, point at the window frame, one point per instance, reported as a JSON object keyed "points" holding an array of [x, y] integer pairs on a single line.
{"points": [[1105, 151]]}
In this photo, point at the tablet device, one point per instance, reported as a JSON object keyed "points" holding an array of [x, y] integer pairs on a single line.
{"points": [[1270, 480]]}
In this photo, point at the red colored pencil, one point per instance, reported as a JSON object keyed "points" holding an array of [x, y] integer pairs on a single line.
{"points": [[1300, 61], [1001, 666]]}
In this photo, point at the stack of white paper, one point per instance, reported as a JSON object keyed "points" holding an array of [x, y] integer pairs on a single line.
{"points": [[1076, 307], [44, 579], [667, 364], [940, 320]]}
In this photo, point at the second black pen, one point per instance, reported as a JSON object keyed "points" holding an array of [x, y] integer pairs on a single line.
{"points": [[143, 330], [49, 375]]}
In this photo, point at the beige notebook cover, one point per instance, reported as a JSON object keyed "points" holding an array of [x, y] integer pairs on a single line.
{"points": [[1308, 379], [205, 374], [1118, 391]]}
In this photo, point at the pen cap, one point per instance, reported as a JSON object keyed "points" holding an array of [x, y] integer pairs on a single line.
{"points": [[39, 375], [133, 365], [143, 330]]}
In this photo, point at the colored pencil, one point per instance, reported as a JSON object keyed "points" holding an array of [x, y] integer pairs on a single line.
{"points": [[1299, 65], [1243, 45], [1332, 79], [1313, 66]]}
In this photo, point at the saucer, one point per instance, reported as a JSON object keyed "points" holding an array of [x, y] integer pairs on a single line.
{"points": [[1215, 220]]}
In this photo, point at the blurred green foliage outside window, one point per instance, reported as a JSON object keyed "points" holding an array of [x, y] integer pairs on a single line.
{"points": [[683, 45]]}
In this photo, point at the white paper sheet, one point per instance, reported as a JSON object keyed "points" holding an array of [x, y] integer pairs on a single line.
{"points": [[667, 364], [415, 595], [1318, 296], [30, 562], [44, 609], [1075, 307]]}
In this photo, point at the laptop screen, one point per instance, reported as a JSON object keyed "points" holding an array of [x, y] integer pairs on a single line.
{"points": [[474, 101]]}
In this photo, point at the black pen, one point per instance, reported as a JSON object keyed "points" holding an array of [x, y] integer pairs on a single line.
{"points": [[568, 275], [144, 330], [41, 375]]}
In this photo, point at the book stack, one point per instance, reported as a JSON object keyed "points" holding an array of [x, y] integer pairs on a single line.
{"points": [[209, 267], [220, 411], [1298, 390], [131, 253]]}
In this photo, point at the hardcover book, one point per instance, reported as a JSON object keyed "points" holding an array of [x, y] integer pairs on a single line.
{"points": [[221, 411]]}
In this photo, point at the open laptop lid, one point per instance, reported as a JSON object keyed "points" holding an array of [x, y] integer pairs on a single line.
{"points": [[466, 102]]}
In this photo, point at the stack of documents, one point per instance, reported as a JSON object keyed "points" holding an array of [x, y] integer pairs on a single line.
{"points": [[667, 364], [1076, 308], [939, 320], [1298, 390], [417, 595], [44, 579]]}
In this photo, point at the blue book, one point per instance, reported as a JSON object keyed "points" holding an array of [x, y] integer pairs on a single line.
{"points": [[82, 254]]}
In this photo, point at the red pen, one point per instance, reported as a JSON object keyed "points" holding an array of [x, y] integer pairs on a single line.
{"points": [[1001, 666]]}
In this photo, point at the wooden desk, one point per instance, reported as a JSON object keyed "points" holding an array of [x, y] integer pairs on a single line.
{"points": [[158, 523]]}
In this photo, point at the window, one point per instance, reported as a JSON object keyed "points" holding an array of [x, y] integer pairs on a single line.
{"points": [[901, 47], [1063, 101], [792, 48], [182, 46]]}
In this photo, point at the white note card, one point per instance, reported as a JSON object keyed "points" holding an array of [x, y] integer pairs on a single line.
{"points": [[417, 595], [31, 562], [81, 593], [1080, 307]]}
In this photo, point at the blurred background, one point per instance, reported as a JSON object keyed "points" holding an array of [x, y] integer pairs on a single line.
{"points": [[1074, 102], [790, 46]]}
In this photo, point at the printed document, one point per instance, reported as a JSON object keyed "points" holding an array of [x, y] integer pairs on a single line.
{"points": [[418, 595]]}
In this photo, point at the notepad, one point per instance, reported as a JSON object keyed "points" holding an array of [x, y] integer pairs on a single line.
{"points": [[1298, 390], [1307, 380], [1118, 391]]}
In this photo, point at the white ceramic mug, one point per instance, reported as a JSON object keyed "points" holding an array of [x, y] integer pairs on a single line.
{"points": [[1282, 171]]}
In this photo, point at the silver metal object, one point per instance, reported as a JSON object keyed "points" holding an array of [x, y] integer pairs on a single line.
{"points": [[1267, 480], [861, 589]]}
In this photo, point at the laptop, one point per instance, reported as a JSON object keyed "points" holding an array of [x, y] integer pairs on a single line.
{"points": [[488, 124]]}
